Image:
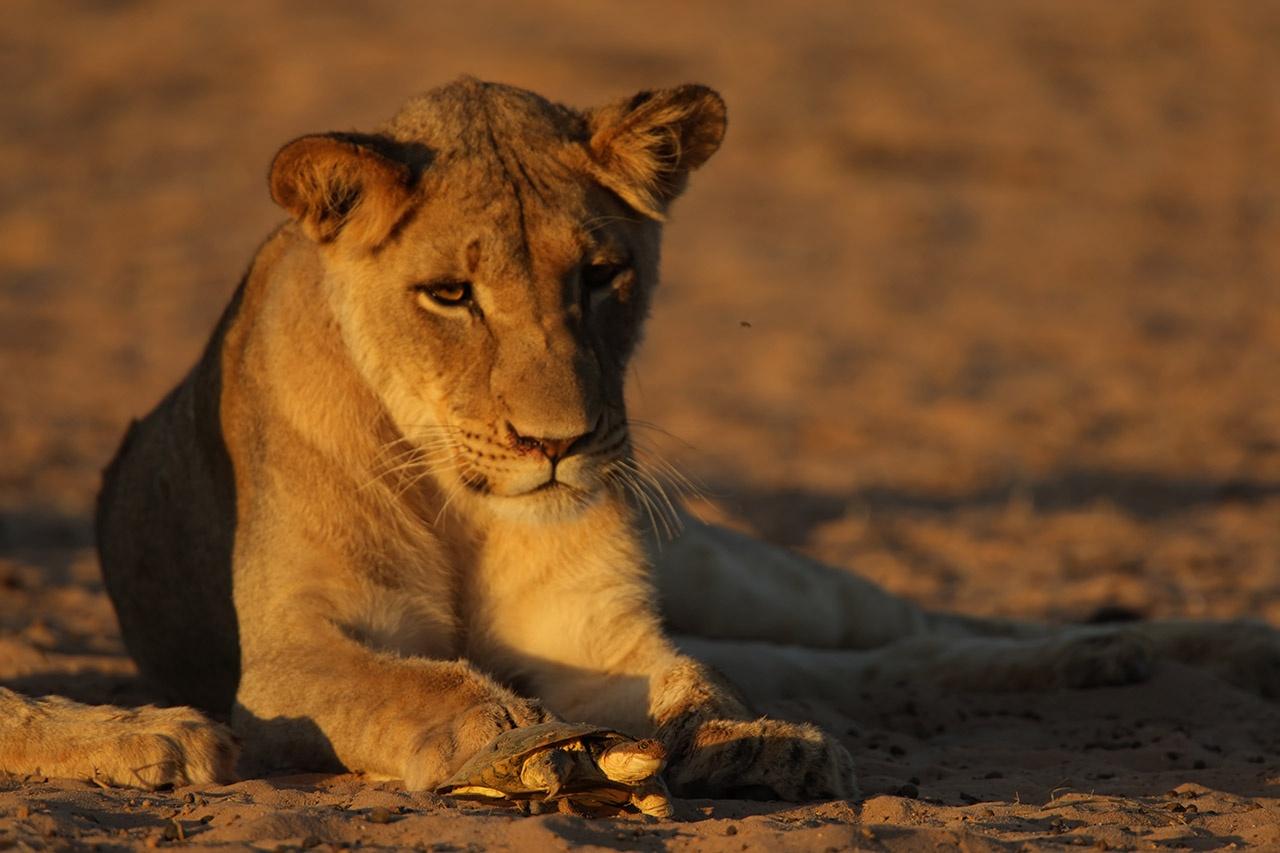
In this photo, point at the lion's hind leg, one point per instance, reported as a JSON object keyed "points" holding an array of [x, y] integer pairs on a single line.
{"points": [[1080, 657], [136, 747], [779, 624], [719, 584], [1242, 652]]}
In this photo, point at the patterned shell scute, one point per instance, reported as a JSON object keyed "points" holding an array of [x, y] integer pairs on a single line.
{"points": [[498, 765]]}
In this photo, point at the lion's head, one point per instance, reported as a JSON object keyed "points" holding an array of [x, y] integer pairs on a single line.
{"points": [[489, 257]]}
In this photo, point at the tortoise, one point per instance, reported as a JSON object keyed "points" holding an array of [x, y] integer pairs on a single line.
{"points": [[586, 769]]}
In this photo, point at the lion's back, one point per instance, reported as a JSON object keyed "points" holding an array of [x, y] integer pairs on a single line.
{"points": [[165, 529]]}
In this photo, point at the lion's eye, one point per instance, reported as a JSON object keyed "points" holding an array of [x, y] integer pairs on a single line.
{"points": [[449, 294], [600, 276]]}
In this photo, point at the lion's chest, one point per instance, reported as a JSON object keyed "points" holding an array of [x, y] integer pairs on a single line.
{"points": [[406, 605], [407, 624]]}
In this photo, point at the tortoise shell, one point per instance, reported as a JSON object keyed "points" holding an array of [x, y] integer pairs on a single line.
{"points": [[498, 765]]}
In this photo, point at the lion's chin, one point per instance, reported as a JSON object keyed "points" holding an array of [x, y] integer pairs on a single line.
{"points": [[549, 501]]}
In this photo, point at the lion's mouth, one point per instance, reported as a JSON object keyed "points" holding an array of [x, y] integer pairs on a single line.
{"points": [[480, 485], [556, 486]]}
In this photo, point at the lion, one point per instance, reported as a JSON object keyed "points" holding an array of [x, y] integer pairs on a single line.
{"points": [[393, 510]]}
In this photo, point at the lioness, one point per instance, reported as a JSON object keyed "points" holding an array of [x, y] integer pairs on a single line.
{"points": [[390, 513]]}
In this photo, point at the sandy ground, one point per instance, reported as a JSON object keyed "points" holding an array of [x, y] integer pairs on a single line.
{"points": [[979, 299]]}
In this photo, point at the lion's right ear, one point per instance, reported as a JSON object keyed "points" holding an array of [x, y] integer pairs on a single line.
{"points": [[343, 183]]}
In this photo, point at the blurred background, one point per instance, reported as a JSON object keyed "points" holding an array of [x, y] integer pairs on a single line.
{"points": [[981, 299]]}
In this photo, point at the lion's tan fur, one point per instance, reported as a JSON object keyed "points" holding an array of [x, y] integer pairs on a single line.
{"points": [[401, 588], [340, 530]]}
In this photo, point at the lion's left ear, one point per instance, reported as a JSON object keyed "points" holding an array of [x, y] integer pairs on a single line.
{"points": [[644, 148], [349, 184]]}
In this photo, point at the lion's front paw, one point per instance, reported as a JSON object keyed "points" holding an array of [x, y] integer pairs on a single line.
{"points": [[445, 749], [763, 759]]}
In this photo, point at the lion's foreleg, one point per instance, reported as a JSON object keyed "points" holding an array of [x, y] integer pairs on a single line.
{"points": [[722, 747], [336, 702], [717, 743], [583, 633]]}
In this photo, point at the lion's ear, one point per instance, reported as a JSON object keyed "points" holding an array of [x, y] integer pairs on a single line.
{"points": [[643, 148], [348, 183]]}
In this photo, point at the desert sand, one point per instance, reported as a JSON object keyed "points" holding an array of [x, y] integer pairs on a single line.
{"points": [[980, 300]]}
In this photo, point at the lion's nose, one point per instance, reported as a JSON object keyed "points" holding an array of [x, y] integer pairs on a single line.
{"points": [[554, 449]]}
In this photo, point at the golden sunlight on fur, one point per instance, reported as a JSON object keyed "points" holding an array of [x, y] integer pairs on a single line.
{"points": [[394, 510]]}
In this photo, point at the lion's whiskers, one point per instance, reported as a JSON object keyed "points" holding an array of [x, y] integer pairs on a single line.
{"points": [[653, 482], [685, 485], [438, 466], [421, 454], [454, 490], [657, 490], [629, 483], [650, 494]]}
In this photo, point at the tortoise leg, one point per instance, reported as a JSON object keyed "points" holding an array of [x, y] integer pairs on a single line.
{"points": [[651, 797], [548, 771], [602, 802]]}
